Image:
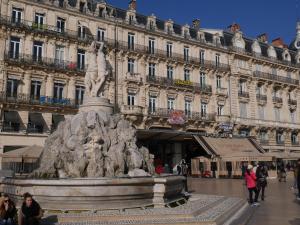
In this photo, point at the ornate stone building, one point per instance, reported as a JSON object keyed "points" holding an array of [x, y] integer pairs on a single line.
{"points": [[173, 82]]}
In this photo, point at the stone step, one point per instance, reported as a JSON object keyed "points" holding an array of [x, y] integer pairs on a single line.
{"points": [[200, 209]]}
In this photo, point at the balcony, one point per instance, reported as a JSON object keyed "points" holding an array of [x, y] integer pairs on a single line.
{"points": [[276, 78], [131, 110], [278, 142], [292, 102], [277, 100], [188, 115], [41, 101], [261, 97], [223, 118], [221, 91], [243, 94], [295, 143], [177, 83], [42, 62], [133, 77], [45, 29]]}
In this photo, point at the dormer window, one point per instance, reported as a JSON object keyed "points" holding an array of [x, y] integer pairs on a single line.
{"points": [[169, 29], [131, 19], [186, 34], [151, 25]]}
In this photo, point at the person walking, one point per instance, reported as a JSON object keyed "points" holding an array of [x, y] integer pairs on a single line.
{"points": [[250, 178], [298, 178], [261, 174], [281, 172], [30, 211], [8, 211]]}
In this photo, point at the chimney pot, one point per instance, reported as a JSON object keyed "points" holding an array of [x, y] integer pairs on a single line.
{"points": [[132, 5], [234, 27], [196, 24], [263, 38]]}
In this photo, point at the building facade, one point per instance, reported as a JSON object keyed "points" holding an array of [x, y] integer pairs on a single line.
{"points": [[164, 77]]}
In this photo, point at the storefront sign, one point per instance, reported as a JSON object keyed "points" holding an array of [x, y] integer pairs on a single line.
{"points": [[226, 127], [176, 117], [183, 82]]}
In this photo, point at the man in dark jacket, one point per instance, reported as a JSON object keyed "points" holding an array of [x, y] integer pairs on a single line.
{"points": [[298, 178], [261, 175]]}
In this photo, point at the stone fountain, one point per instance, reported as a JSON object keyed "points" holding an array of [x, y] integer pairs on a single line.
{"points": [[92, 161]]}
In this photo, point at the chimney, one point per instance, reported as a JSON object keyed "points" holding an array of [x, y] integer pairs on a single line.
{"points": [[196, 24], [278, 42], [132, 5], [234, 27], [263, 38]]}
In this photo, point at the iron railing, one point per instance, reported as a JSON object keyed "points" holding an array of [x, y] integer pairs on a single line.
{"points": [[243, 94], [273, 77], [277, 99], [41, 100], [292, 102], [164, 81], [261, 97], [42, 62]]}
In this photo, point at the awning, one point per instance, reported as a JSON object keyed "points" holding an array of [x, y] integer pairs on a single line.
{"points": [[12, 116], [29, 154], [36, 118], [203, 145], [234, 149]]}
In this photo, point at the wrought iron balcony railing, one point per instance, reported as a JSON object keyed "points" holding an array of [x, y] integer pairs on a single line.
{"points": [[186, 115], [277, 100], [243, 94], [292, 102], [42, 62], [42, 100], [273, 77], [261, 97], [164, 81]]}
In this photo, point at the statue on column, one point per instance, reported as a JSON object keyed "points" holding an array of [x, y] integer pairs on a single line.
{"points": [[96, 71]]}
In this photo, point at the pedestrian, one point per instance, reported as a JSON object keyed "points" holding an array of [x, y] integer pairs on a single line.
{"points": [[298, 179], [261, 175], [250, 178], [30, 211], [8, 211], [281, 172]]}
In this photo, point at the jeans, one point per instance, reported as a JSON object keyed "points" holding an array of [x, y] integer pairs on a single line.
{"points": [[251, 191], [9, 221]]}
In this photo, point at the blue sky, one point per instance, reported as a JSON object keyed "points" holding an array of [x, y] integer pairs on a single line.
{"points": [[275, 17]]}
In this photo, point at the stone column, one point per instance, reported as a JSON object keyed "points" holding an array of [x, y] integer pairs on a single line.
{"points": [[49, 86], [159, 192], [269, 113], [24, 119], [253, 100], [48, 121], [71, 89], [27, 83]]}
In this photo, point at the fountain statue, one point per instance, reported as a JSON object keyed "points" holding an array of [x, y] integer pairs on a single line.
{"points": [[94, 142]]}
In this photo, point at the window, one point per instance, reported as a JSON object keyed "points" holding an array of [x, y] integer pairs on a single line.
{"points": [[203, 109], [188, 108], [258, 67], [14, 48], [170, 72], [81, 32], [171, 104], [79, 94], [131, 19], [12, 87], [151, 25], [152, 104], [59, 54], [151, 69], [202, 79], [35, 91], [279, 137], [242, 87], [288, 74], [16, 15], [131, 41], [169, 29], [219, 82], [186, 75], [202, 57], [220, 110], [274, 71], [80, 59], [261, 112], [60, 25], [263, 136], [169, 49], [82, 7], [259, 90], [244, 132], [277, 114], [58, 90], [217, 60], [186, 51], [100, 34], [243, 110], [186, 33], [39, 20], [37, 51], [294, 138], [131, 99], [131, 66], [151, 47]]}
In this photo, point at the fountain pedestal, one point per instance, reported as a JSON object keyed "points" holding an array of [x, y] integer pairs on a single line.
{"points": [[98, 104]]}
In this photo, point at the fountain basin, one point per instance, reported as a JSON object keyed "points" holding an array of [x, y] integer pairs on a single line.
{"points": [[96, 193]]}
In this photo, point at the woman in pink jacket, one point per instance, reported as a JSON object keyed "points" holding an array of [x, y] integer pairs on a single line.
{"points": [[250, 178]]}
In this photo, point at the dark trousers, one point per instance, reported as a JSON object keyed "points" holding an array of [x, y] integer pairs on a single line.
{"points": [[251, 191], [262, 189], [298, 190]]}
